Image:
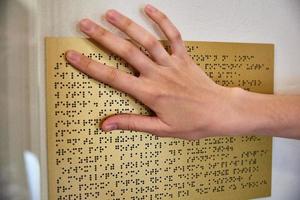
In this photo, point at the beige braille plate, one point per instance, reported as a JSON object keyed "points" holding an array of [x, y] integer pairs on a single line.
{"points": [[85, 163]]}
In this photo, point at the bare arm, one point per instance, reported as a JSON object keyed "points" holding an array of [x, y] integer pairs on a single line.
{"points": [[272, 115], [187, 103]]}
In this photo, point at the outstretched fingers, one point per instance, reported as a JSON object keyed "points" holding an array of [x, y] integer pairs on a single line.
{"points": [[117, 45], [171, 32], [140, 35]]}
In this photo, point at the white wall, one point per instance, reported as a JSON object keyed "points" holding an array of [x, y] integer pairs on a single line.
{"points": [[262, 21]]}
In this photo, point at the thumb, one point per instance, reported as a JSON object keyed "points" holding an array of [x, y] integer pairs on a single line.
{"points": [[151, 124]]}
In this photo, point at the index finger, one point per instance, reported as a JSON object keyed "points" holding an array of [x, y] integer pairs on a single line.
{"points": [[117, 79]]}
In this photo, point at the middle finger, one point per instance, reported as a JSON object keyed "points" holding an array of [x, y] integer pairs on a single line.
{"points": [[140, 35], [120, 46]]}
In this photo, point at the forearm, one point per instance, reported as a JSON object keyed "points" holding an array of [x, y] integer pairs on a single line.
{"points": [[272, 115]]}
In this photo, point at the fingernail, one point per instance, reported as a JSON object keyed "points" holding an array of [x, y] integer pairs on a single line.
{"points": [[112, 15], [110, 127], [86, 25], [73, 56], [150, 8]]}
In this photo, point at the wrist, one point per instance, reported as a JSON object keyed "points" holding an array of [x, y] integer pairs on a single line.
{"points": [[257, 112], [250, 112]]}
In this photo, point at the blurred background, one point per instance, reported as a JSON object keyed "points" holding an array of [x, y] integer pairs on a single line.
{"points": [[25, 23]]}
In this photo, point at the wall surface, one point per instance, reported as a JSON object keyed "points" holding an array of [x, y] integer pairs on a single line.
{"points": [[268, 21]]}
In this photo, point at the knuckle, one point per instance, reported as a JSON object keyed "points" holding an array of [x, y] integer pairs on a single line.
{"points": [[158, 96], [163, 17], [150, 42], [111, 75], [131, 125], [176, 35], [127, 23], [127, 51], [100, 32], [88, 65]]}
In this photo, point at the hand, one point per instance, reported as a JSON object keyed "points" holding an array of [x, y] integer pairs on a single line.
{"points": [[187, 103]]}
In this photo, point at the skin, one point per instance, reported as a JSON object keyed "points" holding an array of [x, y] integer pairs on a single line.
{"points": [[186, 102]]}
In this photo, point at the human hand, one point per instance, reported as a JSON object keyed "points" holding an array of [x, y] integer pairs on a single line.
{"points": [[187, 103]]}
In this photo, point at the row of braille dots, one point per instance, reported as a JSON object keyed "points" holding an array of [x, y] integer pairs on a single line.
{"points": [[69, 113], [82, 122], [254, 184], [79, 196], [63, 188], [222, 66], [184, 170], [61, 132], [90, 194], [191, 48], [156, 196], [58, 65], [103, 112], [222, 75], [256, 66], [226, 83], [89, 159], [213, 189], [98, 56], [209, 57], [73, 141], [243, 58], [91, 122], [254, 153], [231, 163], [208, 149], [70, 75], [207, 157], [72, 85], [225, 180], [127, 147], [72, 104], [126, 101], [67, 122], [73, 94], [251, 138], [250, 83], [75, 77], [142, 163], [97, 149], [135, 138], [118, 102], [140, 155], [142, 189], [72, 151], [219, 140], [82, 163], [76, 172], [84, 170], [106, 90], [111, 92], [69, 196]]}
